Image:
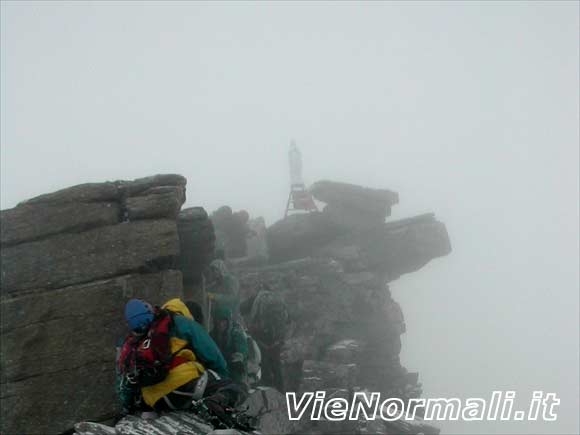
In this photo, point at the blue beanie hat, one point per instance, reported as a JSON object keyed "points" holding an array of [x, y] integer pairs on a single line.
{"points": [[139, 314]]}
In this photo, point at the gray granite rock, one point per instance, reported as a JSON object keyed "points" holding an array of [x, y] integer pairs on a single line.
{"points": [[89, 192], [33, 221], [136, 187], [104, 252], [58, 350], [162, 202]]}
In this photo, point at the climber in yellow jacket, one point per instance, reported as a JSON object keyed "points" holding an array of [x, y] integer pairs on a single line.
{"points": [[167, 360]]}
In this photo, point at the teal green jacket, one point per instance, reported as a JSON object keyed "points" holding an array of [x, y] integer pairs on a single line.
{"points": [[234, 346], [204, 347]]}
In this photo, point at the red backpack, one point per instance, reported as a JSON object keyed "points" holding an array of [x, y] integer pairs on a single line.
{"points": [[146, 360]]}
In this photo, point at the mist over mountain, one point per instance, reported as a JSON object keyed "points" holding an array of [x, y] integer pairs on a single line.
{"points": [[469, 110]]}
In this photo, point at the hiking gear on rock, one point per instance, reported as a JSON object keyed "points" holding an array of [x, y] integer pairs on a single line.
{"points": [[220, 406], [139, 314], [181, 398], [200, 387], [177, 377]]}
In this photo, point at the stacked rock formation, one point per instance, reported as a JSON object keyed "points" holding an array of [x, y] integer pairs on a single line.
{"points": [[333, 270], [354, 207], [70, 260]]}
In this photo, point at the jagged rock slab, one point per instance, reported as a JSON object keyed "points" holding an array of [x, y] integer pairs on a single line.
{"points": [[109, 191], [408, 247], [298, 235], [68, 259], [88, 192], [33, 221], [58, 350], [160, 202], [395, 248], [175, 423], [267, 404], [374, 201]]}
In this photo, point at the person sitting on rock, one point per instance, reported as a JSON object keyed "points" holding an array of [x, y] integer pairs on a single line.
{"points": [[232, 341], [168, 361]]}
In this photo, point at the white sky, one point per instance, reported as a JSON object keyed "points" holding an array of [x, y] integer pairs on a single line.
{"points": [[466, 109]]}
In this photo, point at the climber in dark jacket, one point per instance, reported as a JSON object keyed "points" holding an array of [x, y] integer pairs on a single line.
{"points": [[267, 323]]}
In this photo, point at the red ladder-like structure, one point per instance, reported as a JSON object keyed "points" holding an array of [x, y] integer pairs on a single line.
{"points": [[300, 199]]}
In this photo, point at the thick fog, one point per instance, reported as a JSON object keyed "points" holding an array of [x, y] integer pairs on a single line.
{"points": [[469, 110]]}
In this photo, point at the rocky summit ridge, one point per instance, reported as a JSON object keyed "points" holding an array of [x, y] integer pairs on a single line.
{"points": [[72, 258]]}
